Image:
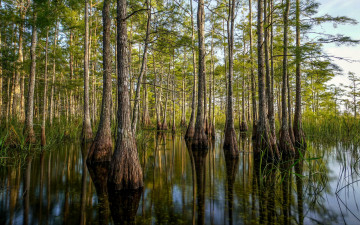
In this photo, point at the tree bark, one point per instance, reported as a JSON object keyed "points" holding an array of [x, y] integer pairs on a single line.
{"points": [[53, 77], [243, 124], [264, 141], [43, 122], [29, 112], [230, 142], [191, 127], [16, 82], [271, 109], [286, 145], [300, 141], [252, 75], [142, 70], [86, 133], [200, 139], [101, 148], [125, 170]]}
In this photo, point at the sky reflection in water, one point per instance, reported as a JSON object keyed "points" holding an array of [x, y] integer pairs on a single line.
{"points": [[185, 186]]}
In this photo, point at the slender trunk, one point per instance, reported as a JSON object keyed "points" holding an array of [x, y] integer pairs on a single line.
{"points": [[86, 133], [300, 141], [243, 124], [230, 142], [157, 101], [43, 123], [183, 108], [286, 145], [164, 123], [29, 117], [173, 127], [271, 109], [142, 70], [264, 140], [101, 148], [200, 138], [53, 77], [18, 72], [125, 170], [191, 127], [252, 75]]}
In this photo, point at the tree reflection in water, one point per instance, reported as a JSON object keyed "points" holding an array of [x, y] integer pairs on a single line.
{"points": [[185, 186]]}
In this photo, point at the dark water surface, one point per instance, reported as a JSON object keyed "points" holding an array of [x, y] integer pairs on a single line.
{"points": [[184, 186]]}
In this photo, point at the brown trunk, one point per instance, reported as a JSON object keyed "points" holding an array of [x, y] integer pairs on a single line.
{"points": [[101, 148], [146, 116], [264, 140], [230, 142], [252, 75], [271, 109], [52, 105], [243, 123], [191, 127], [29, 117], [200, 139], [164, 125], [173, 127], [300, 141], [183, 107], [43, 123], [86, 133], [16, 82], [157, 101], [286, 145], [125, 170], [142, 70]]}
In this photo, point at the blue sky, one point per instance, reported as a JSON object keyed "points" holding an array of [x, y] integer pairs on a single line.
{"points": [[349, 8]]}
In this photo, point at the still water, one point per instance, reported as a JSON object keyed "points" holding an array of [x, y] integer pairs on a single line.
{"points": [[184, 186]]}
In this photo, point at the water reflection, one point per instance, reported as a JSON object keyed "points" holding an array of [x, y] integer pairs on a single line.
{"points": [[185, 186]]}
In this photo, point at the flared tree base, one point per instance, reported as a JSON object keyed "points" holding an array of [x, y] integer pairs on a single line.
{"points": [[190, 132], [230, 143], [285, 144], [200, 140], [100, 150], [125, 171], [265, 145]]}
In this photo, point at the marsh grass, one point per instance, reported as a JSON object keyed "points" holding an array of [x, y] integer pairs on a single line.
{"points": [[14, 147]]}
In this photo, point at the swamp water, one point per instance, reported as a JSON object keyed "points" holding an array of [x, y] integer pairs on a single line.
{"points": [[182, 186]]}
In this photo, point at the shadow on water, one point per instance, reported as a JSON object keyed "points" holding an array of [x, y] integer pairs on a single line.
{"points": [[185, 186]]}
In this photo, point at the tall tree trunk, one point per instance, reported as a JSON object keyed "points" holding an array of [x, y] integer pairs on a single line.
{"points": [[173, 127], [264, 141], [71, 62], [43, 122], [271, 109], [146, 116], [183, 95], [191, 127], [300, 141], [286, 145], [164, 123], [125, 170], [143, 68], [86, 133], [18, 71], [269, 94], [252, 75], [52, 105], [101, 148], [230, 142], [243, 124], [29, 116], [200, 139], [157, 97]]}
